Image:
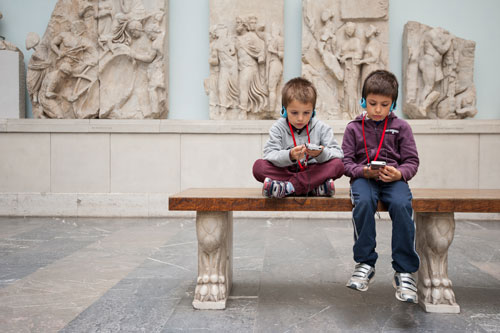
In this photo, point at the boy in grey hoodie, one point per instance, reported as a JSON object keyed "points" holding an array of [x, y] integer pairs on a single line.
{"points": [[374, 137], [292, 165]]}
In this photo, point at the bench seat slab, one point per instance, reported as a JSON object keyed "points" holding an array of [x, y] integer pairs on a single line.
{"points": [[435, 233]]}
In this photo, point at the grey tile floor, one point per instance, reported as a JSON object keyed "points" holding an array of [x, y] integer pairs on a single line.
{"points": [[138, 275]]}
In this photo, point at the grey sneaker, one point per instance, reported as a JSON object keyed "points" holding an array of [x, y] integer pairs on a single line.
{"points": [[361, 277], [406, 287], [273, 188], [327, 189]]}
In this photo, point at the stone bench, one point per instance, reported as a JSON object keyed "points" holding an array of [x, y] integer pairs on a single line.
{"points": [[434, 218]]}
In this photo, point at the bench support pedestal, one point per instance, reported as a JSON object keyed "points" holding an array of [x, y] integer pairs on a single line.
{"points": [[215, 259], [434, 236]]}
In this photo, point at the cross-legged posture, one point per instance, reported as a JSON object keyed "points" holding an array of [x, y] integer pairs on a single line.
{"points": [[301, 156], [376, 137]]}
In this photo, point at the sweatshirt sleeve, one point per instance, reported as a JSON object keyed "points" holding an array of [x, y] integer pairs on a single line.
{"points": [[408, 152], [352, 169], [332, 148], [273, 150]]}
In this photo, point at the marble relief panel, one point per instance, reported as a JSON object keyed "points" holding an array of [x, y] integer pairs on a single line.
{"points": [[246, 59], [342, 42], [438, 74], [101, 59]]}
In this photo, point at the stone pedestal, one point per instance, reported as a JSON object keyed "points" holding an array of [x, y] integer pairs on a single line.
{"points": [[215, 259], [12, 83], [435, 233]]}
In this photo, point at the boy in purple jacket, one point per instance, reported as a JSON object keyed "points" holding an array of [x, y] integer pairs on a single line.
{"points": [[375, 137]]}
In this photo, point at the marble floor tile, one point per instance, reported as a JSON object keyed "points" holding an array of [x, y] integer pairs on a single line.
{"points": [[138, 275]]}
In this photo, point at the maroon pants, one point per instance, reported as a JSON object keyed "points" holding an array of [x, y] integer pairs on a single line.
{"points": [[303, 181]]}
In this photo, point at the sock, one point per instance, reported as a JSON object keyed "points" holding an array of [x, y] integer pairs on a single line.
{"points": [[289, 189]]}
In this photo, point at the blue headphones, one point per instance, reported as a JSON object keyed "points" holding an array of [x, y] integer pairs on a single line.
{"points": [[362, 102], [284, 114]]}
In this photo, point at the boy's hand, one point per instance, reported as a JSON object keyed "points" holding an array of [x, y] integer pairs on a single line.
{"points": [[314, 153], [389, 174], [297, 153], [369, 173]]}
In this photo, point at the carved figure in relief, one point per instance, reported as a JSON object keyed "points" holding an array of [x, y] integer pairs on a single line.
{"points": [[104, 18], [466, 103], [435, 43], [274, 65], [350, 55], [224, 56], [154, 56], [72, 47], [79, 52], [327, 46], [212, 257], [433, 240], [327, 38], [321, 40], [251, 53], [37, 69], [372, 53], [51, 98], [210, 84]]}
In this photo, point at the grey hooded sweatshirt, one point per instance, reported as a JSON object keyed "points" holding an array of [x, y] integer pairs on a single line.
{"points": [[277, 148]]}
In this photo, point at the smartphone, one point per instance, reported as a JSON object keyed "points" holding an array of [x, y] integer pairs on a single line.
{"points": [[375, 165], [312, 146]]}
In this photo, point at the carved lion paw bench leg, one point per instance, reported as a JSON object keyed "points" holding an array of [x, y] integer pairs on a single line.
{"points": [[215, 245], [434, 236]]}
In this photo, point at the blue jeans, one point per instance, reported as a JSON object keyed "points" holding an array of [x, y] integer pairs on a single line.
{"points": [[365, 194]]}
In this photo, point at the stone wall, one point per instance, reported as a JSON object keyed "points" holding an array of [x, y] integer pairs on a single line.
{"points": [[129, 167]]}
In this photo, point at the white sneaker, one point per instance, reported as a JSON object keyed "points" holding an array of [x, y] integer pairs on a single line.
{"points": [[406, 287], [361, 277]]}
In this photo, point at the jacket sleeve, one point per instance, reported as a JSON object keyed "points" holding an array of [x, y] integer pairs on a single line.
{"points": [[352, 169], [332, 148], [408, 152], [273, 150]]}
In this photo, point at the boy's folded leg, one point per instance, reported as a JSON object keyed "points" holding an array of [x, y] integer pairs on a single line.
{"points": [[361, 277]]}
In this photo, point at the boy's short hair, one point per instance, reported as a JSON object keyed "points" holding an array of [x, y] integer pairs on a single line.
{"points": [[381, 82], [299, 89]]}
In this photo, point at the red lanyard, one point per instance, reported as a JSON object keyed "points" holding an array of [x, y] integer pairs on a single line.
{"points": [[295, 144], [381, 139]]}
